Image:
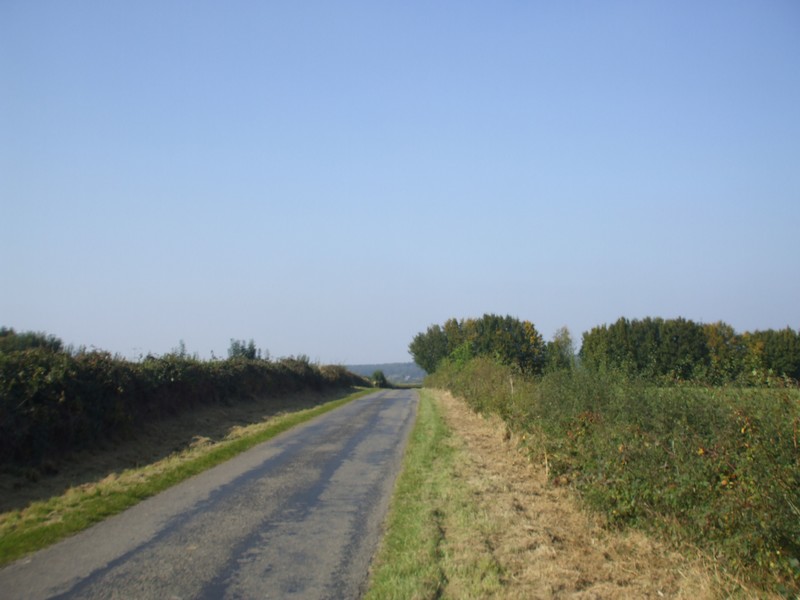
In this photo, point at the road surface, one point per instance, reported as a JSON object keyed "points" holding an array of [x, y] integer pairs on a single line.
{"points": [[296, 517]]}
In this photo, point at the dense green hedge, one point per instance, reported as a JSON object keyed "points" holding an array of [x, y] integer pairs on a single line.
{"points": [[716, 466], [54, 401]]}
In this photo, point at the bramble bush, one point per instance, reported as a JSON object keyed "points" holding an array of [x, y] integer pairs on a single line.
{"points": [[52, 402], [718, 467]]}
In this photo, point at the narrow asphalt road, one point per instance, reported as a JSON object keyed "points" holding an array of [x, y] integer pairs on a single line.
{"points": [[296, 517]]}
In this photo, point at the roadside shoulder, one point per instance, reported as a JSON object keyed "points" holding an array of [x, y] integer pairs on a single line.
{"points": [[544, 543]]}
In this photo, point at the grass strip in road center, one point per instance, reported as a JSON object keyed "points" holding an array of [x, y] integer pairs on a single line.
{"points": [[44, 523], [435, 540]]}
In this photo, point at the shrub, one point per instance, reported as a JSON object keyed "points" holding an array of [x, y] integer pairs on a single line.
{"points": [[56, 402], [718, 467], [379, 379], [11, 341]]}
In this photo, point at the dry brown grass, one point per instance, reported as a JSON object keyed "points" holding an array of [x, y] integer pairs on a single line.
{"points": [[547, 546]]}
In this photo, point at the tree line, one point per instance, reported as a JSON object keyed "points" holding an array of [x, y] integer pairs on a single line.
{"points": [[663, 349], [507, 339], [681, 349]]}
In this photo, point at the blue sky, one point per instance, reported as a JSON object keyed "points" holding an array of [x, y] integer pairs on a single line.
{"points": [[330, 178]]}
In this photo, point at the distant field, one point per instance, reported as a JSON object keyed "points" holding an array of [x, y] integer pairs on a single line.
{"points": [[397, 373]]}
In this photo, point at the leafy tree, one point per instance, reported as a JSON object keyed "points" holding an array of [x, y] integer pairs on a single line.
{"points": [[560, 352], [462, 355], [379, 379], [682, 349], [608, 346], [180, 351], [772, 352], [455, 334], [782, 352], [11, 341], [594, 347], [429, 348], [242, 349], [726, 353], [685, 350], [505, 339], [651, 347]]}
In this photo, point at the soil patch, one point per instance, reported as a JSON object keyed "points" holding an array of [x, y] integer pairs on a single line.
{"points": [[19, 487], [546, 545]]}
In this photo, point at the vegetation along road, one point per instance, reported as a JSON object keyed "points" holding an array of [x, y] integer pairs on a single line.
{"points": [[298, 516]]}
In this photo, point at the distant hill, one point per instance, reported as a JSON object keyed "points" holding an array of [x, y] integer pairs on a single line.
{"points": [[395, 372]]}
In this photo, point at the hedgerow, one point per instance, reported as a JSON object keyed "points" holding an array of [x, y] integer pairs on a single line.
{"points": [[717, 467], [52, 402]]}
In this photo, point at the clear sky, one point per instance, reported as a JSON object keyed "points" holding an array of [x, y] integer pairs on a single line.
{"points": [[330, 178]]}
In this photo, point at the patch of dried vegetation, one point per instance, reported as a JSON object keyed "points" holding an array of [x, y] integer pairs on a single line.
{"points": [[546, 545]]}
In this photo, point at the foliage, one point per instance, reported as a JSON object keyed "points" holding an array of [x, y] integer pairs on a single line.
{"points": [[716, 466], [429, 348], [682, 350], [54, 402], [772, 353], [672, 348], [509, 340], [379, 379], [242, 349], [560, 352], [11, 341]]}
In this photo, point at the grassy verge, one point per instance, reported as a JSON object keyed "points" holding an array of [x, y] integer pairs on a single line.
{"points": [[434, 545], [44, 523]]}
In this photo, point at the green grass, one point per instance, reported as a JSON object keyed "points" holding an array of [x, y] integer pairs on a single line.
{"points": [[432, 546], [44, 523]]}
